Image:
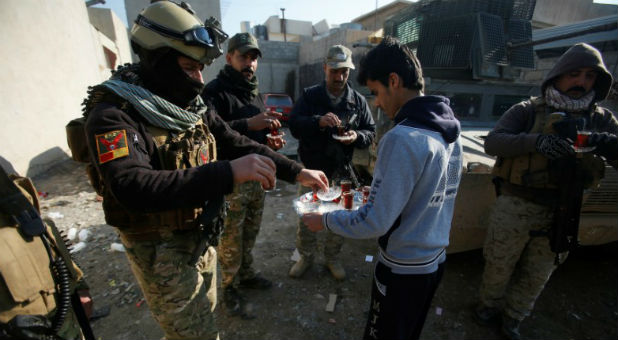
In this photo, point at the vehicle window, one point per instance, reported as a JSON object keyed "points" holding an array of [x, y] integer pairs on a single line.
{"points": [[466, 105], [279, 101], [503, 103]]}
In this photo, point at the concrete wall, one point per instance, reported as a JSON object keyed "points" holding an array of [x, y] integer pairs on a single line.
{"points": [[112, 27], [561, 12], [296, 27], [203, 9], [278, 68], [48, 62], [315, 50]]}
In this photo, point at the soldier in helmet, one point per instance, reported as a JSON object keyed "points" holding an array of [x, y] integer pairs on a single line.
{"points": [[165, 161], [534, 144]]}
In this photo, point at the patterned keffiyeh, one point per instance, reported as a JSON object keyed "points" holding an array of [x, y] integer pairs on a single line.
{"points": [[561, 101]]}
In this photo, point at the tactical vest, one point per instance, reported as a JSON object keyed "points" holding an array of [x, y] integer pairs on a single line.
{"points": [[186, 149], [534, 170], [29, 287]]}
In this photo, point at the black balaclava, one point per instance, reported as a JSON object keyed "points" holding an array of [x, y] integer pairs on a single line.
{"points": [[163, 76]]}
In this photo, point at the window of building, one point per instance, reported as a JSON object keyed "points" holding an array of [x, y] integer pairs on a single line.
{"points": [[110, 58]]}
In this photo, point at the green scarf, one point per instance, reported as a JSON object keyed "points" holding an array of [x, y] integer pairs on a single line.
{"points": [[157, 111], [232, 79]]}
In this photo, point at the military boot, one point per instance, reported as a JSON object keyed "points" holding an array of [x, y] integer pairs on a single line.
{"points": [[232, 299], [510, 327], [336, 269], [300, 267], [256, 282], [236, 304], [486, 316]]}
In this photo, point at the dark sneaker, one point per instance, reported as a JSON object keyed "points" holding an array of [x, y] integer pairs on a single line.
{"points": [[486, 316], [510, 327], [257, 282]]}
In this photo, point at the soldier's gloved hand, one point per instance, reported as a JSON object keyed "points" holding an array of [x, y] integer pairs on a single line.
{"points": [[606, 144], [553, 147], [567, 128]]}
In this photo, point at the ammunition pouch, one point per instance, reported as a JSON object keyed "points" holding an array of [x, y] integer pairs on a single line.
{"points": [[545, 197], [76, 139], [534, 170]]}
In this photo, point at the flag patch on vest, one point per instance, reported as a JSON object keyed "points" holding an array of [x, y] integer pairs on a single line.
{"points": [[112, 145]]}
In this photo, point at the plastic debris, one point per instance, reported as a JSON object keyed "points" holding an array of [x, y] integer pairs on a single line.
{"points": [[72, 234], [55, 214], [295, 256], [332, 300], [84, 235], [368, 258], [78, 247], [332, 321], [117, 247], [139, 303], [438, 311]]}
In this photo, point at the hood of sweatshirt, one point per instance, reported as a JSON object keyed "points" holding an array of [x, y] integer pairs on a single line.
{"points": [[578, 56], [431, 113]]}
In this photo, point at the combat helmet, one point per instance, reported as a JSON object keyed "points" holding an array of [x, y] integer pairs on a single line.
{"points": [[166, 24]]}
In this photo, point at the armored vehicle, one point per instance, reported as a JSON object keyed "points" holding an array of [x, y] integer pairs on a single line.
{"points": [[472, 52]]}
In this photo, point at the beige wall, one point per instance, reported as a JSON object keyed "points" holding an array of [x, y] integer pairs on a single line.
{"points": [[292, 27], [112, 27], [49, 58]]}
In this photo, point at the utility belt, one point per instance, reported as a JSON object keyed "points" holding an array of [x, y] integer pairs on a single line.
{"points": [[177, 219], [545, 197], [156, 226]]}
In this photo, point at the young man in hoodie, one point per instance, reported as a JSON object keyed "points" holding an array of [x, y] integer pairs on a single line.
{"points": [[532, 143], [412, 197]]}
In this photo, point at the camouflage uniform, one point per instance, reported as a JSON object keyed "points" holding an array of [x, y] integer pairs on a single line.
{"points": [[508, 244], [162, 271], [306, 241], [241, 228]]}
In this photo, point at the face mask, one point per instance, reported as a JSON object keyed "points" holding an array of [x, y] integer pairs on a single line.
{"points": [[163, 76]]}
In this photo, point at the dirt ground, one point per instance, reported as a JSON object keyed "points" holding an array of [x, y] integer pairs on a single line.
{"points": [[579, 302]]}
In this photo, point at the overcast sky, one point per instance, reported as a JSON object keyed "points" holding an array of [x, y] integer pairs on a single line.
{"points": [[257, 11]]}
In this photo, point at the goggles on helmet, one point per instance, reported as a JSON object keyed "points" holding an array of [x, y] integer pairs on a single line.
{"points": [[199, 36]]}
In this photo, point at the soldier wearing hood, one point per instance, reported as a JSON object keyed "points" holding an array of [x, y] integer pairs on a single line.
{"points": [[532, 141]]}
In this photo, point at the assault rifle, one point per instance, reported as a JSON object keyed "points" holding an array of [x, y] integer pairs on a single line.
{"points": [[564, 231], [210, 226]]}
